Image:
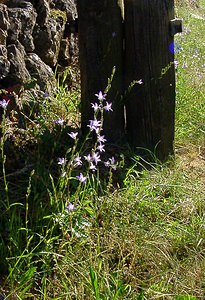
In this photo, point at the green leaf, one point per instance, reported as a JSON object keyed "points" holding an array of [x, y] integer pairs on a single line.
{"points": [[23, 294], [27, 276], [185, 297], [94, 281]]}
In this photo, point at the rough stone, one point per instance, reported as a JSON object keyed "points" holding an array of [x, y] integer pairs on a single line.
{"points": [[34, 41], [19, 3], [50, 36], [68, 6], [18, 72], [3, 50], [4, 20], [43, 11], [22, 22], [3, 36], [41, 72], [4, 62], [64, 54]]}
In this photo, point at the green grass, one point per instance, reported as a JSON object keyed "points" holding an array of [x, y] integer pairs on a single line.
{"points": [[140, 241], [190, 118]]}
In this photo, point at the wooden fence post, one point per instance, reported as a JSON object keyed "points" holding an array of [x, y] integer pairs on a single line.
{"points": [[150, 107], [101, 49]]}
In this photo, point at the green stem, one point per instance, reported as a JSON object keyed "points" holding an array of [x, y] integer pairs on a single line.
{"points": [[3, 156]]}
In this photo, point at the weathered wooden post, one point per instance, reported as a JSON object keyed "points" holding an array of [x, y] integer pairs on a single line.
{"points": [[101, 49], [150, 107]]}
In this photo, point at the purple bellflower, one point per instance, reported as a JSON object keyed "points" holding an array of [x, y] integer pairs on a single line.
{"points": [[70, 207], [59, 121], [82, 178], [4, 103], [62, 161], [73, 135], [108, 107], [101, 96]]}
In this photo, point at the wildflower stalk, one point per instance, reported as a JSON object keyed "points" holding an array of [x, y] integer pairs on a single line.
{"points": [[67, 169], [109, 85], [110, 179], [27, 203], [3, 156], [87, 179]]}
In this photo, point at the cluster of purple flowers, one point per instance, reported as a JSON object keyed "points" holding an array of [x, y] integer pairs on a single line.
{"points": [[96, 125], [70, 207], [4, 103], [5, 98], [59, 121]]}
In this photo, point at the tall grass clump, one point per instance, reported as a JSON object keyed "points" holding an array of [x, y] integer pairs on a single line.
{"points": [[79, 222], [59, 194], [190, 76]]}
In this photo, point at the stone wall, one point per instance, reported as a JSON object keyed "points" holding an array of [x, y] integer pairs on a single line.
{"points": [[35, 37]]}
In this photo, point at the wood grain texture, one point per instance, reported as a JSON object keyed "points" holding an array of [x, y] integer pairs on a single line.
{"points": [[150, 107], [101, 48]]}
